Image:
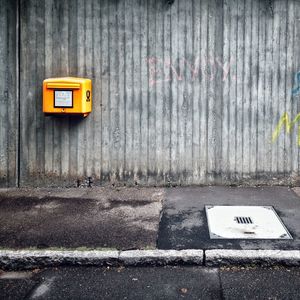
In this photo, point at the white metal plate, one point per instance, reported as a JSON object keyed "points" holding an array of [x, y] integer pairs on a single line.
{"points": [[245, 222]]}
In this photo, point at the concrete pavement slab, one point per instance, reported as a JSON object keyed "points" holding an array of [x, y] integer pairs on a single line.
{"points": [[184, 224]]}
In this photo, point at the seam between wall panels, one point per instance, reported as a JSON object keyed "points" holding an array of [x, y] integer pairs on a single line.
{"points": [[18, 116]]}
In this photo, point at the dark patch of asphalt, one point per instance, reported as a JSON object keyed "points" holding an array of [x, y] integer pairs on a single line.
{"points": [[184, 226], [260, 283], [122, 283], [17, 285], [71, 218], [155, 283]]}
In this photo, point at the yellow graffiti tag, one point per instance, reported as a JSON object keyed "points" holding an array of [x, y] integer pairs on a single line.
{"points": [[285, 121]]}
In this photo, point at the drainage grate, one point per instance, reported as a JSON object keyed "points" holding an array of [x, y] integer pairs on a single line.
{"points": [[243, 220]]}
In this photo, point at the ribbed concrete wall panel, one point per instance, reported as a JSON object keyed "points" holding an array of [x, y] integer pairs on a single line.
{"points": [[8, 93], [188, 93]]}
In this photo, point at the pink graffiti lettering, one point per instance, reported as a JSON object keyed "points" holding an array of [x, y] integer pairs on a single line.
{"points": [[193, 68], [160, 70], [225, 67], [173, 69], [154, 72]]}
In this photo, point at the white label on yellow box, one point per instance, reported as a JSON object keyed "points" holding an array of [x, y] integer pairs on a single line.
{"points": [[63, 98]]}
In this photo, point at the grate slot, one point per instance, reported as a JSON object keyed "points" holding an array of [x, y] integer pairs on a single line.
{"points": [[243, 220]]}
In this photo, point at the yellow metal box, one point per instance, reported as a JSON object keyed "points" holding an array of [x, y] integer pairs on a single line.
{"points": [[67, 95]]}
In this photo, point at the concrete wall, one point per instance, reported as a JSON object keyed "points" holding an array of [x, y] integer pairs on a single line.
{"points": [[188, 93], [8, 93]]}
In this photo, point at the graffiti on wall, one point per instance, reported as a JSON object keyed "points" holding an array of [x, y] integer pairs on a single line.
{"points": [[296, 89], [182, 69], [288, 125], [285, 121]]}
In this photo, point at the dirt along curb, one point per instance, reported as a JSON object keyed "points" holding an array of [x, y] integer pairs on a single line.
{"points": [[30, 259]]}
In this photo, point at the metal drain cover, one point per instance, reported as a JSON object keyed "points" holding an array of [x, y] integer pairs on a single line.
{"points": [[245, 222]]}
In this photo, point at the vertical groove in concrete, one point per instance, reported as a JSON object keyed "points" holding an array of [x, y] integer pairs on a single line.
{"points": [[17, 107], [8, 93]]}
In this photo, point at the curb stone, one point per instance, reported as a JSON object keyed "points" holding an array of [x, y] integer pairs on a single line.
{"points": [[26, 259], [161, 257], [215, 258], [30, 259]]}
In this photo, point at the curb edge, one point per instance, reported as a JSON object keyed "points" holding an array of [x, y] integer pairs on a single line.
{"points": [[26, 259], [214, 258], [29, 259]]}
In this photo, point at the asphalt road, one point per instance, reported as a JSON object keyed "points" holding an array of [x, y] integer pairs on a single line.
{"points": [[152, 283]]}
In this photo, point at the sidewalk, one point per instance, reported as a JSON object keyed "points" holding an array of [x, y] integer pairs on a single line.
{"points": [[92, 225], [80, 218]]}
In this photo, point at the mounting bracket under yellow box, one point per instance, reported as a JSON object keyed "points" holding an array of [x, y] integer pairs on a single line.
{"points": [[67, 95]]}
